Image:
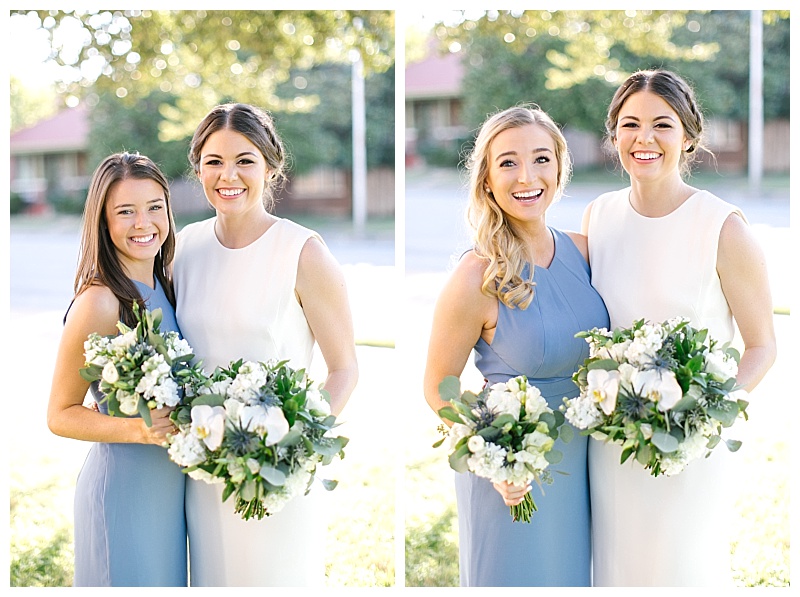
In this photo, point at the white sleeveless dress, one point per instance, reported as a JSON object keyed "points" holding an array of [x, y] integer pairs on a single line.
{"points": [[241, 303], [660, 531]]}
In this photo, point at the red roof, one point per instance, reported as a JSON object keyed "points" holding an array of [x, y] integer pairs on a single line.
{"points": [[439, 75], [66, 131]]}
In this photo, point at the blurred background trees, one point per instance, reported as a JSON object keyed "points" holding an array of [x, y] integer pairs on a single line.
{"points": [[571, 62], [149, 77]]}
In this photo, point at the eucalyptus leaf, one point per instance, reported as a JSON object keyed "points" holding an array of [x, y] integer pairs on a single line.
{"points": [[607, 364], [665, 442], [685, 403], [144, 411], [329, 447], [272, 476], [726, 413], [644, 453], [209, 399], [502, 420], [458, 459], [450, 388], [733, 444], [548, 418], [450, 414], [91, 372], [731, 351], [490, 434], [329, 484], [566, 433], [295, 436], [553, 456]]}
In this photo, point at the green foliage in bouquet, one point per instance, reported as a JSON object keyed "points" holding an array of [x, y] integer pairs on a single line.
{"points": [[504, 433], [141, 368], [664, 392], [271, 434]]}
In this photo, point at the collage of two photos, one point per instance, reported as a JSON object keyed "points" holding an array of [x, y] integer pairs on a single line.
{"points": [[399, 298]]}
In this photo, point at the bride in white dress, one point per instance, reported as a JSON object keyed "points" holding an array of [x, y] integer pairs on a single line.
{"points": [[253, 286], [659, 249]]}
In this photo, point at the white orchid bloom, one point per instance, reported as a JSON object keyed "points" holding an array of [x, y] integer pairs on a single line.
{"points": [[659, 386], [208, 424], [268, 422], [603, 387]]}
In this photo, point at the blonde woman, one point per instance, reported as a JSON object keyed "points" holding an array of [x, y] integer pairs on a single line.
{"points": [[517, 299]]}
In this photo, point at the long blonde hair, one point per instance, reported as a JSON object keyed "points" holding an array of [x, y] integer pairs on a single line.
{"points": [[494, 237]]}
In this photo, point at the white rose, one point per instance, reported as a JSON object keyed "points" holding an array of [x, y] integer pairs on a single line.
{"points": [[110, 373], [128, 402], [476, 443]]}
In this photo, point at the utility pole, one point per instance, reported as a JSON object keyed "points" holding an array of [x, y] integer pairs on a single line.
{"points": [[359, 146], [755, 150]]}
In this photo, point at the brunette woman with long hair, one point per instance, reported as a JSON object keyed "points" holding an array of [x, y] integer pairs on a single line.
{"points": [[130, 525]]}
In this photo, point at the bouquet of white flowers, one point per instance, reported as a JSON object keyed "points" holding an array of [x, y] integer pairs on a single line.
{"points": [[141, 368], [504, 433], [261, 429], [663, 391]]}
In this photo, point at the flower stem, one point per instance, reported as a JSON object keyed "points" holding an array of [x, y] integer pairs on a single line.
{"points": [[523, 511]]}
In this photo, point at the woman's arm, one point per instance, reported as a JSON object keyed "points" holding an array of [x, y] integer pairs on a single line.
{"points": [[95, 310], [322, 293], [742, 270], [461, 315]]}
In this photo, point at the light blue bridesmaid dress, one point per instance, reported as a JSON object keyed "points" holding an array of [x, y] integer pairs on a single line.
{"points": [[554, 549], [130, 526]]}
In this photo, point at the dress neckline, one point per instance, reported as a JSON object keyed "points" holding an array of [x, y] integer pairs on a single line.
{"points": [[152, 289], [263, 235], [554, 236], [667, 215]]}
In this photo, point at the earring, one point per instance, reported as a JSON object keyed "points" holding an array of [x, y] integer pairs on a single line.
{"points": [[488, 190]]}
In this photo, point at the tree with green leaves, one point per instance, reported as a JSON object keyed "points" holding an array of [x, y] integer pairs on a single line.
{"points": [[570, 62], [203, 58]]}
